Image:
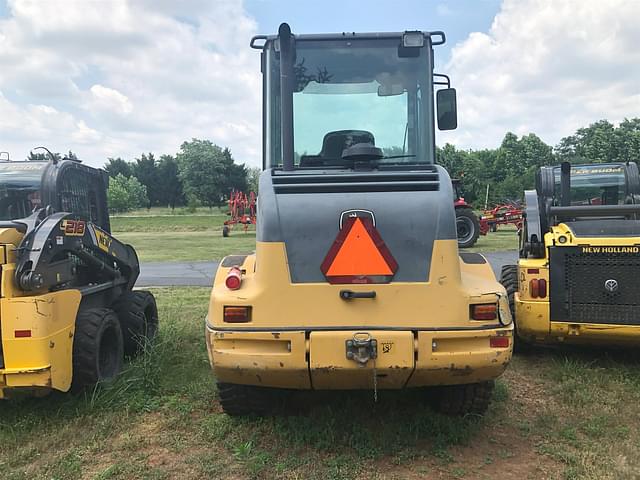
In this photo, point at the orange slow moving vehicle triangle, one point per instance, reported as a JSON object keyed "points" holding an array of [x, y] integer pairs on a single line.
{"points": [[359, 255]]}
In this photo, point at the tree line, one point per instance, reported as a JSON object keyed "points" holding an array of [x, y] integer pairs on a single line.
{"points": [[201, 173], [510, 169]]}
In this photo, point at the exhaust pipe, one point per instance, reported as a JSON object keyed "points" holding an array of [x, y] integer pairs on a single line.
{"points": [[565, 184], [287, 84]]}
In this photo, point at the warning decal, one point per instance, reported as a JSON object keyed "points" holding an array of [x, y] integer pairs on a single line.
{"points": [[359, 255]]}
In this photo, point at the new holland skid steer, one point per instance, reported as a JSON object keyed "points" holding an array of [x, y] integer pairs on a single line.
{"points": [[356, 282], [68, 314], [577, 277]]}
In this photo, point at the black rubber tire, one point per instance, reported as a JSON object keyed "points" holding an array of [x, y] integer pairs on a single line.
{"points": [[509, 280], [97, 347], [225, 231], [461, 400], [467, 227], [241, 400], [138, 316]]}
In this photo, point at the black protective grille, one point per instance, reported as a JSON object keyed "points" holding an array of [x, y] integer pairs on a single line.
{"points": [[584, 296], [427, 180]]}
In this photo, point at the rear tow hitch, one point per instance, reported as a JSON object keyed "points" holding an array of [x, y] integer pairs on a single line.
{"points": [[362, 348]]}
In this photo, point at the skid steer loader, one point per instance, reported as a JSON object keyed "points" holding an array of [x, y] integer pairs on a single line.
{"points": [[576, 278], [68, 314], [356, 282]]}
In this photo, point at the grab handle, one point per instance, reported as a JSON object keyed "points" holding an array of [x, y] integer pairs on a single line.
{"points": [[350, 294]]}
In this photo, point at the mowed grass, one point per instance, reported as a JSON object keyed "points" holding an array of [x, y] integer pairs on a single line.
{"points": [[506, 238], [160, 236], [187, 245], [562, 414]]}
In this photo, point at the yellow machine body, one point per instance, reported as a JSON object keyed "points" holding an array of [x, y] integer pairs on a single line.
{"points": [[298, 332], [533, 316], [36, 331]]}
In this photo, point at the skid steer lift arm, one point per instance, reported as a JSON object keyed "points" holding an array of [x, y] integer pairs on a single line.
{"points": [[65, 251]]}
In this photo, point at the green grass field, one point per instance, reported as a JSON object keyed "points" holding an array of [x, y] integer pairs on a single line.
{"points": [[506, 238], [159, 236], [556, 414]]}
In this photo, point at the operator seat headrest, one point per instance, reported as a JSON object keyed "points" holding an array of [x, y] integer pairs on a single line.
{"points": [[334, 143]]}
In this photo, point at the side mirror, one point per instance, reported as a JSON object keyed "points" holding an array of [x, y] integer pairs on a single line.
{"points": [[447, 109]]}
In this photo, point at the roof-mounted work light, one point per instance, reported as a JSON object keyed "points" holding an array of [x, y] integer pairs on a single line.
{"points": [[413, 39]]}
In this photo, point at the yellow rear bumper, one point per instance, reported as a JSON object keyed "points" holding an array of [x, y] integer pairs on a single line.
{"points": [[317, 359], [534, 325]]}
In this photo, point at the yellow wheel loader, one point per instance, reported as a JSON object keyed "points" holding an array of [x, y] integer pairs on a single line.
{"points": [[575, 281], [356, 281], [68, 314]]}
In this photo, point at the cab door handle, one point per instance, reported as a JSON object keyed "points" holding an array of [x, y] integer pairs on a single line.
{"points": [[350, 294]]}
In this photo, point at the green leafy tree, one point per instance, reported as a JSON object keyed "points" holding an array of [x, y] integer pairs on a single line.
{"points": [[596, 143], [126, 194], [253, 178], [118, 166], [145, 169], [42, 156], [208, 172], [236, 175], [170, 182]]}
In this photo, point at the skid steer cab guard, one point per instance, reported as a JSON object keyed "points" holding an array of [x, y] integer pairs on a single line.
{"points": [[68, 314], [576, 278], [356, 281]]}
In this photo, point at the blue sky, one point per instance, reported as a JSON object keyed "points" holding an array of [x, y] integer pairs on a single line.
{"points": [[108, 78], [456, 18]]}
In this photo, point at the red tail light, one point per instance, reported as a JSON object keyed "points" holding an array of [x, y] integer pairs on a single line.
{"points": [[499, 342], [542, 288], [234, 278], [538, 288], [237, 314], [22, 333], [533, 288], [484, 311]]}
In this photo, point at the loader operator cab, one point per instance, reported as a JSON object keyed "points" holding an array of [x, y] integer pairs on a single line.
{"points": [[361, 101], [63, 185], [356, 281], [592, 198], [601, 184]]}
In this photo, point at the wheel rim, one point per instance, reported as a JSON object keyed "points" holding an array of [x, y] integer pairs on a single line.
{"points": [[109, 354], [464, 227]]}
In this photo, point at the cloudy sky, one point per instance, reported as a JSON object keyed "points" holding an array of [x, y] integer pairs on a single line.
{"points": [[109, 78]]}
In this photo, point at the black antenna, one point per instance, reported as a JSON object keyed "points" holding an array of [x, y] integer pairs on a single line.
{"points": [[53, 157]]}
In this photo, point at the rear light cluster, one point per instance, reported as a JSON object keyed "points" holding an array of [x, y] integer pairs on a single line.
{"points": [[538, 288], [237, 314], [484, 311], [234, 278]]}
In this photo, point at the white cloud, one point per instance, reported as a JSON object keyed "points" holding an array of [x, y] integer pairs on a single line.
{"points": [[547, 67], [123, 77], [110, 99]]}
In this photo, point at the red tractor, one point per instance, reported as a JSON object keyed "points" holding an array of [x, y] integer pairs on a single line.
{"points": [[242, 210], [467, 222]]}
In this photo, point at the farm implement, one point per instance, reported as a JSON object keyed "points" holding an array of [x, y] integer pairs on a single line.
{"points": [[242, 210]]}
